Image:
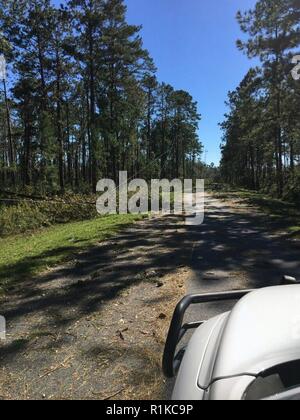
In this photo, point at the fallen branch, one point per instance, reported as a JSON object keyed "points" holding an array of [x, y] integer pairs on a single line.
{"points": [[56, 368], [110, 396]]}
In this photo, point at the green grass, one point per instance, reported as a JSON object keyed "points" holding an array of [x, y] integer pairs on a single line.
{"points": [[24, 256], [294, 231]]}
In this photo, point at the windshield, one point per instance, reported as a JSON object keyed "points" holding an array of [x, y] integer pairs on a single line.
{"points": [[280, 383]]}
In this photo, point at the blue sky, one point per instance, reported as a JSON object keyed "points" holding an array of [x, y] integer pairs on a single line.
{"points": [[193, 44]]}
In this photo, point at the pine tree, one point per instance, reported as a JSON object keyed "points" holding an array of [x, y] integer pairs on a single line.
{"points": [[273, 27], [85, 101]]}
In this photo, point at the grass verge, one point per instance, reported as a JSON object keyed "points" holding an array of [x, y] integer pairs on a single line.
{"points": [[280, 211], [24, 256]]}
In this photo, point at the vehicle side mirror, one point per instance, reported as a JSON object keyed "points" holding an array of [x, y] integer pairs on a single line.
{"points": [[289, 280]]}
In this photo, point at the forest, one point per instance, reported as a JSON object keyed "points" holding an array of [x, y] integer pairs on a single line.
{"points": [[82, 101], [261, 144]]}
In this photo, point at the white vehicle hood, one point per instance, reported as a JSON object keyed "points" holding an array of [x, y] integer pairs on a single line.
{"points": [[262, 331]]}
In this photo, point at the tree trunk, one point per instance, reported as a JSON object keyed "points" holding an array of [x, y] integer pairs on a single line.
{"points": [[11, 150], [61, 164], [27, 151], [42, 111], [93, 151]]}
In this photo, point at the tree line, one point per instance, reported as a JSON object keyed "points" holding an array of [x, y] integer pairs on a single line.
{"points": [[82, 100], [261, 145]]}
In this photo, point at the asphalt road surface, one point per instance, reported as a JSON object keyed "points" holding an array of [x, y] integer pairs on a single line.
{"points": [[236, 248]]}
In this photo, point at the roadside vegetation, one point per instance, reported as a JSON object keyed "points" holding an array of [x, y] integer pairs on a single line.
{"points": [[23, 256], [26, 214], [40, 232], [286, 214]]}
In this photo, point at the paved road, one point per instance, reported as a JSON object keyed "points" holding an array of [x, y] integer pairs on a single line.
{"points": [[235, 249]]}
